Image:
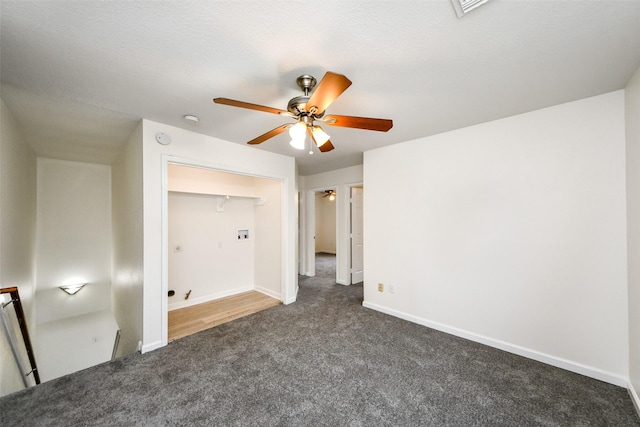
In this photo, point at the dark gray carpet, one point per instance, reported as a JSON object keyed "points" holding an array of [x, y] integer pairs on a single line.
{"points": [[322, 361]]}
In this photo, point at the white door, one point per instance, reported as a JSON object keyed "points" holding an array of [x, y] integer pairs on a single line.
{"points": [[357, 249], [310, 233]]}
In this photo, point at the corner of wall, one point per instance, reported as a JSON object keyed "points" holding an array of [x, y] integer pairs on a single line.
{"points": [[632, 170], [634, 397], [18, 168], [127, 223]]}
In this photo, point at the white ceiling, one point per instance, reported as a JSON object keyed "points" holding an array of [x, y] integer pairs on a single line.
{"points": [[78, 76]]}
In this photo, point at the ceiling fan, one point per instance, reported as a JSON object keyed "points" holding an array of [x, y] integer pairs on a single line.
{"points": [[307, 109], [331, 194]]}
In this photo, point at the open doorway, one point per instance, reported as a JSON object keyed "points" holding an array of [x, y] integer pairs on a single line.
{"points": [[224, 247], [343, 231], [325, 233]]}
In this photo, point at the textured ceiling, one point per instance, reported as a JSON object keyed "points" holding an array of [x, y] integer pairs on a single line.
{"points": [[79, 75]]}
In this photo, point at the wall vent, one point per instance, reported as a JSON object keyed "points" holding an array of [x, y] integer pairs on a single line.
{"points": [[464, 6]]}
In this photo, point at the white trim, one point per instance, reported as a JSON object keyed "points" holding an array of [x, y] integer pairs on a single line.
{"points": [[285, 247], [207, 298], [288, 246], [310, 232], [164, 248], [347, 216], [152, 346], [634, 397], [568, 365], [302, 238], [291, 299], [267, 292]]}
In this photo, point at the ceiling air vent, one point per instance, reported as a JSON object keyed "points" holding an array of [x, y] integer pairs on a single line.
{"points": [[464, 6]]}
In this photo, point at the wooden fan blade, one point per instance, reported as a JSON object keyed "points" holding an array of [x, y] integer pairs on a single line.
{"points": [[234, 103], [327, 146], [270, 134], [330, 87], [381, 125]]}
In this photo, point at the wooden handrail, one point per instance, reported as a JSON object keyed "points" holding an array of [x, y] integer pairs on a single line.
{"points": [[22, 321]]}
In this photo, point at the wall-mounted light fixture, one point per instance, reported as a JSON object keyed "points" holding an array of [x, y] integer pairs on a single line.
{"points": [[72, 289], [191, 118]]}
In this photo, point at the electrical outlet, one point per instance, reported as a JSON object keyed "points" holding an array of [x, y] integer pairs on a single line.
{"points": [[392, 288], [380, 287]]}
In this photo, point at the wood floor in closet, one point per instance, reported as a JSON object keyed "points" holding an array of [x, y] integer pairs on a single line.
{"points": [[189, 320]]}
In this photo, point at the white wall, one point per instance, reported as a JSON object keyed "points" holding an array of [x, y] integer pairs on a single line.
{"points": [[325, 224], [192, 148], [75, 343], [126, 220], [269, 224], [632, 97], [341, 180], [207, 181], [346, 176], [510, 233], [73, 245], [54, 304], [74, 236], [211, 262], [17, 233]]}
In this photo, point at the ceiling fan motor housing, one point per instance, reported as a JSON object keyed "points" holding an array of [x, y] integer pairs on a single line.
{"points": [[297, 106], [306, 83]]}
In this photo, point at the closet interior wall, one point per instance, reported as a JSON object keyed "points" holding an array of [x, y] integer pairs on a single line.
{"points": [[224, 235]]}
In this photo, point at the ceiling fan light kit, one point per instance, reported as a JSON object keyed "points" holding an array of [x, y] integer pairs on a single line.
{"points": [[307, 109], [298, 133], [319, 136]]}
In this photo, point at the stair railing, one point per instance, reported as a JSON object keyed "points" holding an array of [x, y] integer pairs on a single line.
{"points": [[22, 322]]}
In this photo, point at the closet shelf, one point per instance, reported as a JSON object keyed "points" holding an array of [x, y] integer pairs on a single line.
{"points": [[221, 199]]}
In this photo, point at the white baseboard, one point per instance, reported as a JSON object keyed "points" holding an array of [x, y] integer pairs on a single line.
{"points": [[151, 346], [634, 397], [268, 292], [293, 298], [207, 298], [342, 282], [511, 348]]}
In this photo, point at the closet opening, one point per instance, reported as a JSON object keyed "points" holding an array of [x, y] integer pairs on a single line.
{"points": [[224, 253]]}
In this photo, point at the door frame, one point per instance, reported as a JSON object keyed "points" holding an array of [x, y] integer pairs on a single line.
{"points": [[308, 230], [288, 291], [351, 187], [343, 229]]}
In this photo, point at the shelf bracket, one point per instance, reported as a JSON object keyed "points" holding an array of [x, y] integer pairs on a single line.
{"points": [[220, 201]]}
